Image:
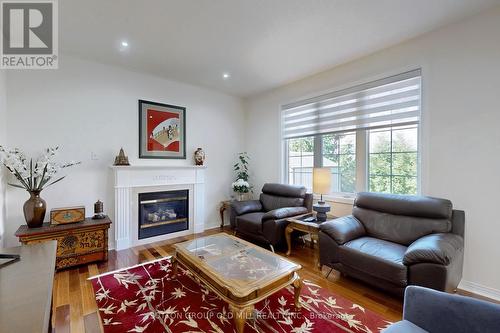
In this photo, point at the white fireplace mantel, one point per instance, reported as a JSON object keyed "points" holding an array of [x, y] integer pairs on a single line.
{"points": [[131, 180]]}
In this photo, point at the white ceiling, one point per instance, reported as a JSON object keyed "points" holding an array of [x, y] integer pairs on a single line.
{"points": [[261, 43]]}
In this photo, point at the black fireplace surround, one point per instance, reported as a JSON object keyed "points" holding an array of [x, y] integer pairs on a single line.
{"points": [[163, 213]]}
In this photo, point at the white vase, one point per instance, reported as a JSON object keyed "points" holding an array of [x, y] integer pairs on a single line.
{"points": [[240, 196]]}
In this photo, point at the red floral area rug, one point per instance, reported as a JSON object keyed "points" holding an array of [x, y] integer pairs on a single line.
{"points": [[147, 298]]}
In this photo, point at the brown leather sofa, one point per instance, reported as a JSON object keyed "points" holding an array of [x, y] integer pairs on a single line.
{"points": [[392, 241], [264, 220]]}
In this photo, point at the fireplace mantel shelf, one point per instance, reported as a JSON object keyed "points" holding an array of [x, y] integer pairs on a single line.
{"points": [[156, 167]]}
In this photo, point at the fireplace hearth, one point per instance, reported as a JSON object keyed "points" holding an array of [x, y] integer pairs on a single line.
{"points": [[162, 213]]}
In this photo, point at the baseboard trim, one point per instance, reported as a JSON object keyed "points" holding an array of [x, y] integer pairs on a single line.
{"points": [[479, 289]]}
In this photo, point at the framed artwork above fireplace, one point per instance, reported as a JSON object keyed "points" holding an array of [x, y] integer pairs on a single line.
{"points": [[162, 130]]}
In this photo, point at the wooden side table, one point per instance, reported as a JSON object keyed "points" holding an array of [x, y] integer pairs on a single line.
{"points": [[224, 205], [312, 228], [77, 243]]}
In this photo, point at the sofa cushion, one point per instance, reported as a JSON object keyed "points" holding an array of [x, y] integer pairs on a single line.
{"points": [[284, 190], [376, 257], [408, 205], [250, 223], [272, 202], [403, 326], [398, 228]]}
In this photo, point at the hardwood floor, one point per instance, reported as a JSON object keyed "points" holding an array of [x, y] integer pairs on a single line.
{"points": [[75, 310]]}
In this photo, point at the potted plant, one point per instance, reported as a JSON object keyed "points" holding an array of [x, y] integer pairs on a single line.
{"points": [[241, 185], [34, 176]]}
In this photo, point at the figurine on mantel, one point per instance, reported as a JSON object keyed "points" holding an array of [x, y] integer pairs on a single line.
{"points": [[121, 159], [199, 156]]}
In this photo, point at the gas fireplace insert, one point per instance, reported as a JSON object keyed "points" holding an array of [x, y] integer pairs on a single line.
{"points": [[163, 213]]}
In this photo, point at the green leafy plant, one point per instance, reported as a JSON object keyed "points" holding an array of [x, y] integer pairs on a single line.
{"points": [[241, 167], [241, 184]]}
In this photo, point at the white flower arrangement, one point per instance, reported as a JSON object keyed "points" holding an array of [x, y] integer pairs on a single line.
{"points": [[241, 186], [33, 176]]}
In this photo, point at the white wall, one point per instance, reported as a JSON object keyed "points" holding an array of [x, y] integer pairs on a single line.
{"points": [[86, 107], [3, 141], [460, 126]]}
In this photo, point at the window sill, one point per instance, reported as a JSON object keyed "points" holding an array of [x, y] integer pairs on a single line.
{"points": [[337, 198]]}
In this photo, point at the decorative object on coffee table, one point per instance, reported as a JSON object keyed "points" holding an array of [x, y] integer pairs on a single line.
{"points": [[240, 273], [67, 215], [34, 176], [162, 130], [121, 159], [322, 182], [99, 211], [77, 243]]}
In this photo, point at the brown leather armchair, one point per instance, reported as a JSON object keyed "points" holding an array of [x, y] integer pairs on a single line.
{"points": [[392, 241], [264, 220]]}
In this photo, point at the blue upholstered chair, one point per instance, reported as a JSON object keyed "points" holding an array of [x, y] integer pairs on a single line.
{"points": [[428, 310]]}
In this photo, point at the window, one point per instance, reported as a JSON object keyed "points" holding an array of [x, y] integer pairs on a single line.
{"points": [[339, 153], [393, 160], [367, 135], [301, 161]]}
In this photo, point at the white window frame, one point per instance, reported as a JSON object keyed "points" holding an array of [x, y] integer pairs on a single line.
{"points": [[419, 158], [318, 160], [362, 162]]}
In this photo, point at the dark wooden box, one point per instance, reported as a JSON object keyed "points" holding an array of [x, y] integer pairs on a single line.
{"points": [[77, 243]]}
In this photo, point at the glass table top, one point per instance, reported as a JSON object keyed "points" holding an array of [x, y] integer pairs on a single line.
{"points": [[235, 261]]}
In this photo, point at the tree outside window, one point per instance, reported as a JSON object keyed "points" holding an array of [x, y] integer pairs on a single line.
{"points": [[392, 160]]}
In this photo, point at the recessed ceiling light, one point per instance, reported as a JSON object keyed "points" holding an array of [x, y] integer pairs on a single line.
{"points": [[124, 43], [226, 75]]}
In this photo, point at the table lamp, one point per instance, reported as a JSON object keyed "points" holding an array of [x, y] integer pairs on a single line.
{"points": [[322, 182]]}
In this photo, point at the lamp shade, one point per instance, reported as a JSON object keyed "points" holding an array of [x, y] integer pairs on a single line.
{"points": [[322, 180]]}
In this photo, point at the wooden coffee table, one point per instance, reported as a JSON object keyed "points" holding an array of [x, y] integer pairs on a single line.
{"points": [[239, 272]]}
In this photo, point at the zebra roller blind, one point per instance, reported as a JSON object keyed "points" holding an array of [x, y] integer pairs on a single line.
{"points": [[392, 101]]}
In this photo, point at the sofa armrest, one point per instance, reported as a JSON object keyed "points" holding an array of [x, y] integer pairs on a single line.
{"points": [[281, 213], [343, 229], [436, 311], [244, 207], [434, 248]]}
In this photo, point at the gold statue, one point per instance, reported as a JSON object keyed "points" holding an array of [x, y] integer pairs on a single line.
{"points": [[121, 159]]}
